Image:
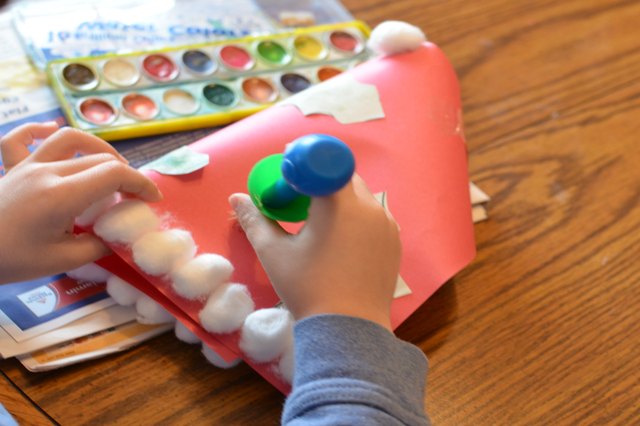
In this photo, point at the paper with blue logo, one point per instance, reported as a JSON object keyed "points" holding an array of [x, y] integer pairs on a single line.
{"points": [[112, 316], [35, 307]]}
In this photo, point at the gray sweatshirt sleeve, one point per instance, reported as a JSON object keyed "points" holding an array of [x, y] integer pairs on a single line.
{"points": [[351, 371]]}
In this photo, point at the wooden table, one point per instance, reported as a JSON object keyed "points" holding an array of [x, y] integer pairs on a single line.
{"points": [[544, 326]]}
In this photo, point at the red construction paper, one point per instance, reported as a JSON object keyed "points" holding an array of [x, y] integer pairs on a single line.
{"points": [[416, 154]]}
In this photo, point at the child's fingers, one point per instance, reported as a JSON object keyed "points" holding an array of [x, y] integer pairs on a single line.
{"points": [[260, 231], [323, 208], [76, 165], [354, 189], [15, 144], [68, 142], [361, 189], [78, 250], [346, 203], [95, 183]]}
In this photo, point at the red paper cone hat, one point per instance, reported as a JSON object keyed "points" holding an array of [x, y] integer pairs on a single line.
{"points": [[400, 115]]}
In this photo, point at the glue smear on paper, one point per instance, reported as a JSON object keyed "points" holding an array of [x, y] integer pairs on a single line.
{"points": [[356, 103], [181, 161]]}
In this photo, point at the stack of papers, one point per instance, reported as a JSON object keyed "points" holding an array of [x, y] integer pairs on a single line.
{"points": [[479, 200], [56, 321]]}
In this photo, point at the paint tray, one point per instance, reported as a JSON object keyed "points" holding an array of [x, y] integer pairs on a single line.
{"points": [[121, 96]]}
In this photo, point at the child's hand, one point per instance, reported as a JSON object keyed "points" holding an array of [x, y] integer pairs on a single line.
{"points": [[43, 192], [345, 260]]}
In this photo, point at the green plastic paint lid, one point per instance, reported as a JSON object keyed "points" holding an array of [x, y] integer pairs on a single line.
{"points": [[263, 176]]}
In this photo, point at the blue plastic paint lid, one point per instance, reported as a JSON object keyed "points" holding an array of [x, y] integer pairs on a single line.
{"points": [[317, 165]]}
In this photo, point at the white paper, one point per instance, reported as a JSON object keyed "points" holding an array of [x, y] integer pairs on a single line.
{"points": [[80, 354], [110, 317], [356, 102], [24, 91], [479, 213], [477, 195], [21, 335], [402, 289]]}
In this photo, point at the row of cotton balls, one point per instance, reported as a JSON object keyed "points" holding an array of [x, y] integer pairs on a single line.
{"points": [[266, 334], [124, 294], [148, 310]]}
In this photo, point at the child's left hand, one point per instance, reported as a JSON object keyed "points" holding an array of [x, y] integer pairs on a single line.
{"points": [[42, 193]]}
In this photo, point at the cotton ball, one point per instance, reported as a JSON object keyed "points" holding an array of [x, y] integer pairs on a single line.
{"points": [[122, 292], [89, 272], [96, 209], [150, 312], [395, 37], [266, 333], [184, 334], [157, 253], [226, 308], [200, 276], [126, 222], [286, 365], [217, 360]]}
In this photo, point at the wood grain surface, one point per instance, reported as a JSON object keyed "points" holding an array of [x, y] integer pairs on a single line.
{"points": [[543, 328], [21, 408]]}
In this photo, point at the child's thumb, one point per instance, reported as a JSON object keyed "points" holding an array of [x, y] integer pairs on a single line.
{"points": [[261, 231]]}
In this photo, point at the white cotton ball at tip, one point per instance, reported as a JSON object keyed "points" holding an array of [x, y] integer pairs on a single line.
{"points": [[89, 272], [150, 311], [200, 276], [89, 216], [286, 365], [122, 292], [126, 221], [226, 308], [184, 334], [395, 37], [217, 360], [266, 334], [158, 252]]}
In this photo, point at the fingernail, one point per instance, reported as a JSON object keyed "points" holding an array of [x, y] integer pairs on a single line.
{"points": [[234, 201], [239, 200]]}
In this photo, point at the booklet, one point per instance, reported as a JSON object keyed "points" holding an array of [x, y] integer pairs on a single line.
{"points": [[29, 309], [24, 93], [73, 28], [105, 342], [97, 321]]}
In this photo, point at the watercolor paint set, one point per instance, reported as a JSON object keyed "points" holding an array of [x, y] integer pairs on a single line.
{"points": [[121, 96]]}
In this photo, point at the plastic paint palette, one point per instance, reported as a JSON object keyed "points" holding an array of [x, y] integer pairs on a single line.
{"points": [[181, 88]]}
